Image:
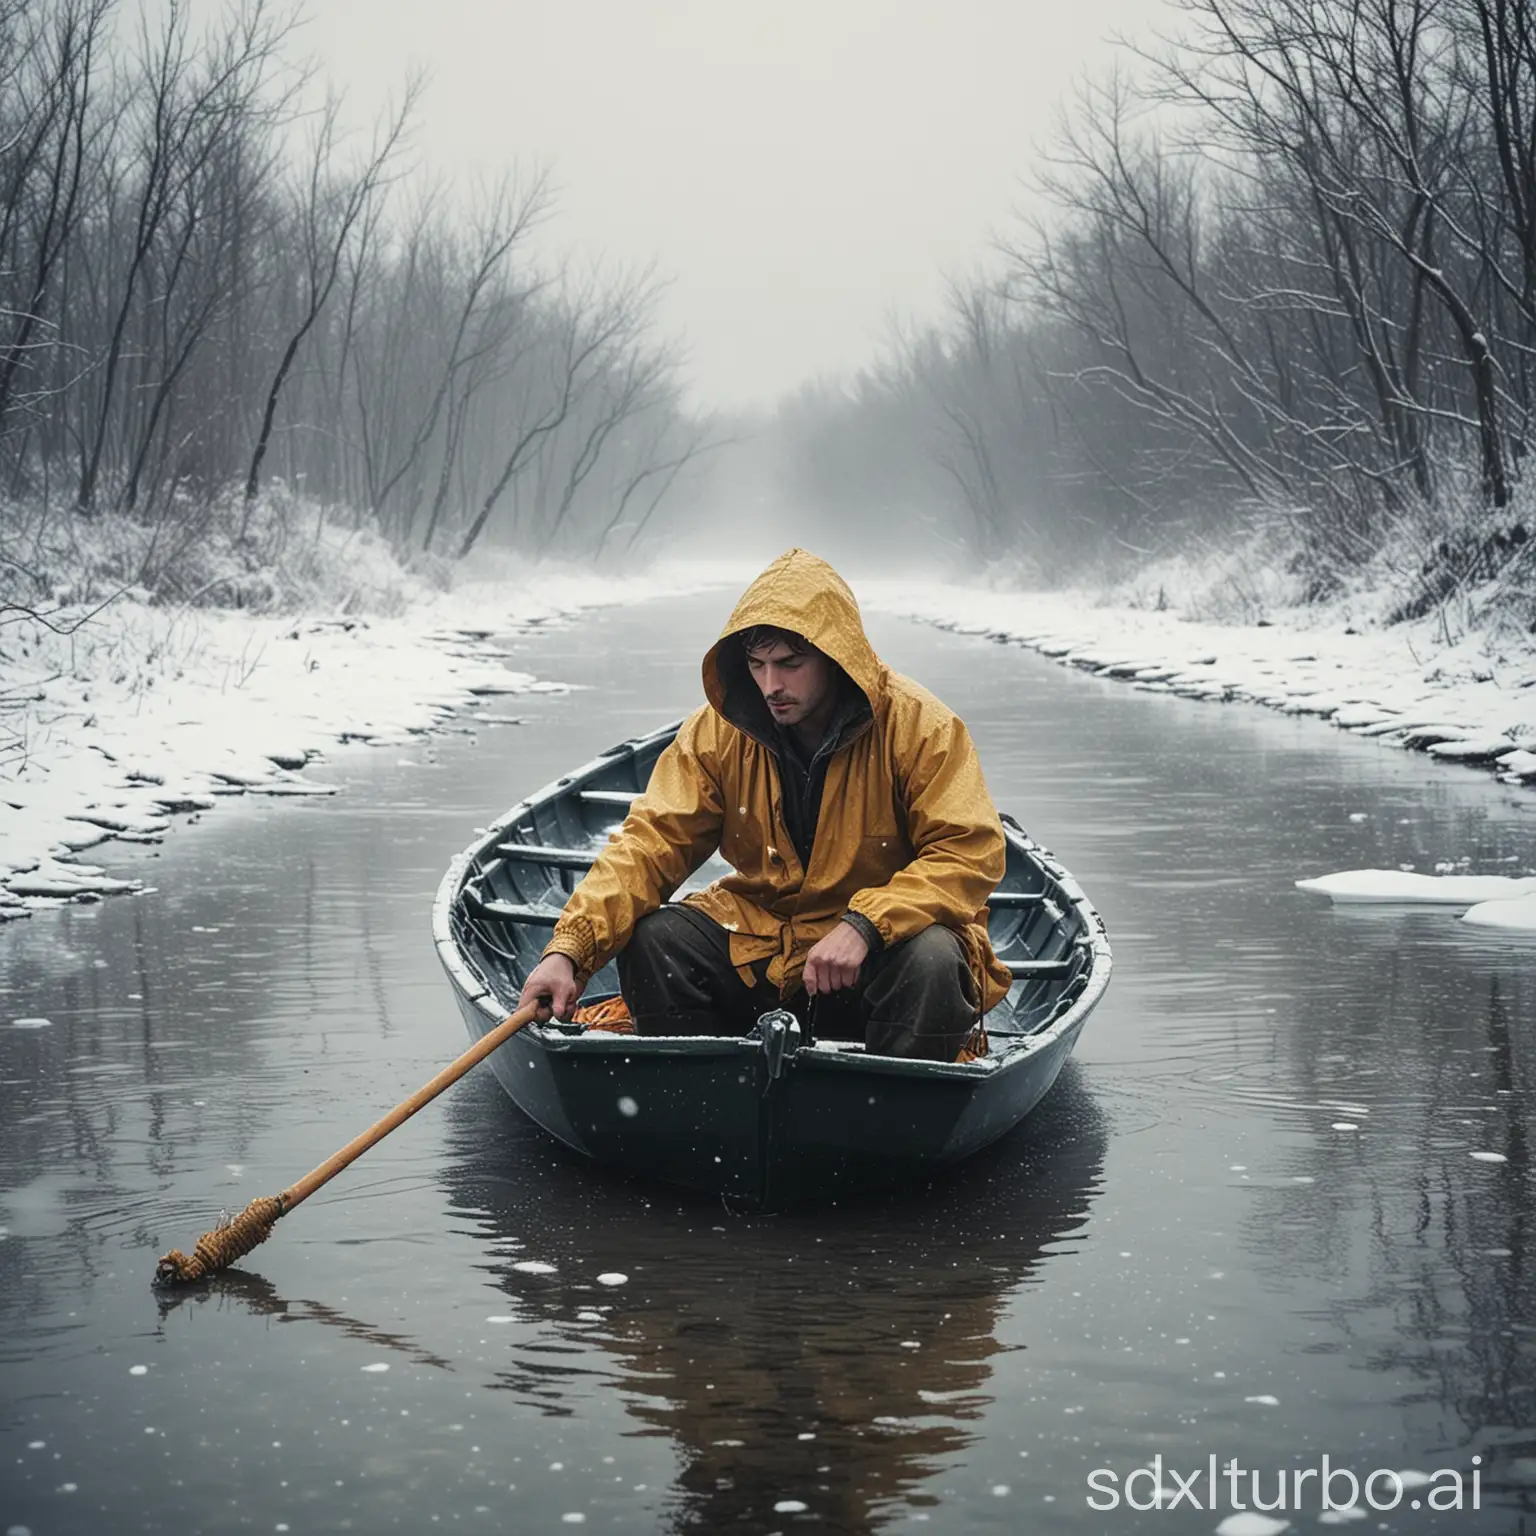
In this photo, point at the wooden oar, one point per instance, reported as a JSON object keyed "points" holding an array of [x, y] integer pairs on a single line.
{"points": [[234, 1239]]}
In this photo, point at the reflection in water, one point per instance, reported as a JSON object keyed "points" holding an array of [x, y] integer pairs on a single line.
{"points": [[1428, 1167], [1252, 1279], [252, 1293], [836, 1357]]}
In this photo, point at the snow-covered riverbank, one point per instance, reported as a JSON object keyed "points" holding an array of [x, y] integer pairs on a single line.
{"points": [[1473, 702], [148, 713]]}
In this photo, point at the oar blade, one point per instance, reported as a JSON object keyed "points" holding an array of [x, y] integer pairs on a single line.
{"points": [[223, 1246]]}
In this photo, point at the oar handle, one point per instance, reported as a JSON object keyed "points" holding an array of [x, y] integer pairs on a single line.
{"points": [[403, 1111]]}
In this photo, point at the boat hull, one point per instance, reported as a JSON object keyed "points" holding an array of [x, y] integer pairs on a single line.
{"points": [[705, 1114], [760, 1125]]}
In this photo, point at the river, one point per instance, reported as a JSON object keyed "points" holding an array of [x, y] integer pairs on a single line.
{"points": [[1277, 1209]]}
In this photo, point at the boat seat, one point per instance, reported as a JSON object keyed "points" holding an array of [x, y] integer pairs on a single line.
{"points": [[1037, 970], [514, 911], [557, 858]]}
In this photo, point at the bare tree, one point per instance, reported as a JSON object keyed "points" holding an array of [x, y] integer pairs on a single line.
{"points": [[656, 469], [185, 93], [328, 214], [187, 305], [591, 327], [1359, 99], [486, 315], [53, 79]]}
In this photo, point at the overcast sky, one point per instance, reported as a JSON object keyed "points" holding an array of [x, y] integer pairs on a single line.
{"points": [[799, 169]]}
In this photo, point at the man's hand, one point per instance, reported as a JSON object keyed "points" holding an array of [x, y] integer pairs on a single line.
{"points": [[553, 982], [834, 962]]}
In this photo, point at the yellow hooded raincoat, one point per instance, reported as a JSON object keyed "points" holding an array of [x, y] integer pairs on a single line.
{"points": [[907, 834]]}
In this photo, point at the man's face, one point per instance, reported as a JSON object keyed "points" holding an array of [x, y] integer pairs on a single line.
{"points": [[795, 685]]}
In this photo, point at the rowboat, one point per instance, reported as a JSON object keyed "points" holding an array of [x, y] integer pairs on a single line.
{"points": [[772, 1118]]}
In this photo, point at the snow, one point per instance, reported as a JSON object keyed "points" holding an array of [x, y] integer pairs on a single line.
{"points": [[1250, 1524], [48, 878], [148, 713], [1471, 701], [1473, 749], [1492, 901], [1517, 915], [1397, 887]]}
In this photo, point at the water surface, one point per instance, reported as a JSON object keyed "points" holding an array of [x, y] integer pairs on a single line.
{"points": [[1249, 1222]]}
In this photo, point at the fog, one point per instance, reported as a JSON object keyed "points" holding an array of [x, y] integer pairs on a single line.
{"points": [[591, 282], [799, 171]]}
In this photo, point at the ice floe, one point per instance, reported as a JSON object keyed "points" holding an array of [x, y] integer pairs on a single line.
{"points": [[1250, 1524], [1516, 915], [1486, 901], [1517, 766], [1398, 887], [48, 878]]}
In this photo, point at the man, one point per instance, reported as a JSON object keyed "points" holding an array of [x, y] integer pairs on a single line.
{"points": [[850, 804]]}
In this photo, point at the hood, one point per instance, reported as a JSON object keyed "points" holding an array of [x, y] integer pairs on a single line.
{"points": [[801, 592]]}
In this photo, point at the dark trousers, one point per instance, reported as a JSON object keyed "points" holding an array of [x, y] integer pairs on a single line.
{"points": [[912, 999]]}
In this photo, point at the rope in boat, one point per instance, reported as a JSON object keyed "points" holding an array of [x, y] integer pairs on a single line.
{"points": [[609, 1017], [612, 1017]]}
